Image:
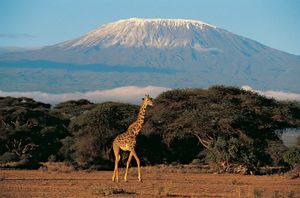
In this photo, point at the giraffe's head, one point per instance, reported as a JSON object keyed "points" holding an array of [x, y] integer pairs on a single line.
{"points": [[148, 101]]}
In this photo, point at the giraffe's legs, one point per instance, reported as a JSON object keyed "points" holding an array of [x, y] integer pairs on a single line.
{"points": [[127, 166], [116, 149], [138, 164]]}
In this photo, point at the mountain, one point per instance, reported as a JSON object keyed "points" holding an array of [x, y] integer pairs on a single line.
{"points": [[10, 49], [171, 53]]}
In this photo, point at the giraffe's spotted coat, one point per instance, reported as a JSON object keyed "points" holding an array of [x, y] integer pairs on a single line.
{"points": [[127, 140]]}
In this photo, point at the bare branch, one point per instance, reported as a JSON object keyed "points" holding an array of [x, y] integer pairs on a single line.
{"points": [[203, 142], [29, 147], [19, 148], [6, 125]]}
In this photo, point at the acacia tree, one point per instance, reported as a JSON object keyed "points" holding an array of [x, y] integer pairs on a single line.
{"points": [[92, 133], [28, 131], [226, 112], [292, 156]]}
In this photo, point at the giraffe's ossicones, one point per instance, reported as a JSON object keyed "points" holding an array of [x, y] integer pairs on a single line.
{"points": [[127, 140]]}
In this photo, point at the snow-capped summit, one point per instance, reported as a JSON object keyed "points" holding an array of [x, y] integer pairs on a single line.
{"points": [[156, 42], [139, 32], [198, 54], [170, 22]]}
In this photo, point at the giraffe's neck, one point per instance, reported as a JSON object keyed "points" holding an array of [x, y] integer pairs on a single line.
{"points": [[140, 120], [141, 116]]}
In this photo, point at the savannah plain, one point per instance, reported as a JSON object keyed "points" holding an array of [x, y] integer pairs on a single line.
{"points": [[158, 181], [66, 144]]}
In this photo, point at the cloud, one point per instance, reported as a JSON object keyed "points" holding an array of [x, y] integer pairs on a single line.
{"points": [[278, 95], [16, 35], [129, 94]]}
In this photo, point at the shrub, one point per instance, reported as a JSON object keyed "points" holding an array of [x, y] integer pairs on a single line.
{"points": [[93, 132], [217, 124], [230, 151], [292, 156], [9, 157], [29, 127], [275, 150], [220, 112]]}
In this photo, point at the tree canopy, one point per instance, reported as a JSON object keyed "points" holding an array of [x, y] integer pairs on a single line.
{"points": [[29, 132], [213, 125], [219, 111]]}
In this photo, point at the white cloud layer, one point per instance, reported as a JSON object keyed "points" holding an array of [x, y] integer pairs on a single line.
{"points": [[278, 95], [129, 94]]}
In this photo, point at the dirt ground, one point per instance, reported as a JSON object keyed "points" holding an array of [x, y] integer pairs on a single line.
{"points": [[160, 181]]}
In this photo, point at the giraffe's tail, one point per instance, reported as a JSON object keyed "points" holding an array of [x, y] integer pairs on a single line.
{"points": [[111, 155]]}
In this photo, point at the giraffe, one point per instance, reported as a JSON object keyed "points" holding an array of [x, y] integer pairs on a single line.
{"points": [[127, 140]]}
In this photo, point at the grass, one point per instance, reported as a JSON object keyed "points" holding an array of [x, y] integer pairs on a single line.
{"points": [[236, 182], [2, 178], [164, 191], [99, 184], [57, 167], [257, 192], [161, 191], [9, 164], [112, 191], [278, 194], [291, 194]]}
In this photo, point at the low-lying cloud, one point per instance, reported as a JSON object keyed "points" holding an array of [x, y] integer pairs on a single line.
{"points": [[129, 94], [278, 95]]}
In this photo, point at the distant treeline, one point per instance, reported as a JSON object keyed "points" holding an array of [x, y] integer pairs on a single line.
{"points": [[221, 125]]}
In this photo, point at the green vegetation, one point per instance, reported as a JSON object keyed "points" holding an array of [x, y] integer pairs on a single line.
{"points": [[112, 191], [219, 125], [231, 124], [92, 133], [29, 132], [257, 192], [292, 156]]}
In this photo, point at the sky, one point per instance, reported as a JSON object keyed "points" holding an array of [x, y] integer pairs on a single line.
{"points": [[32, 23]]}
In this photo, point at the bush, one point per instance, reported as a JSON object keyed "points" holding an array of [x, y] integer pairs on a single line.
{"points": [[245, 119], [29, 127], [72, 109], [230, 151], [93, 133], [8, 157], [275, 150], [216, 124], [292, 156]]}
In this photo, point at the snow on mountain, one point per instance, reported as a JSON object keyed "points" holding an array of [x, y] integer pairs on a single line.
{"points": [[156, 43], [200, 54], [135, 32], [153, 42]]}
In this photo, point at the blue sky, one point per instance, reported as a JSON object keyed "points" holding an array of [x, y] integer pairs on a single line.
{"points": [[275, 23]]}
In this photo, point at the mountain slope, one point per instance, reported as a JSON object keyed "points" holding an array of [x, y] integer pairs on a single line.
{"points": [[188, 46], [150, 42]]}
